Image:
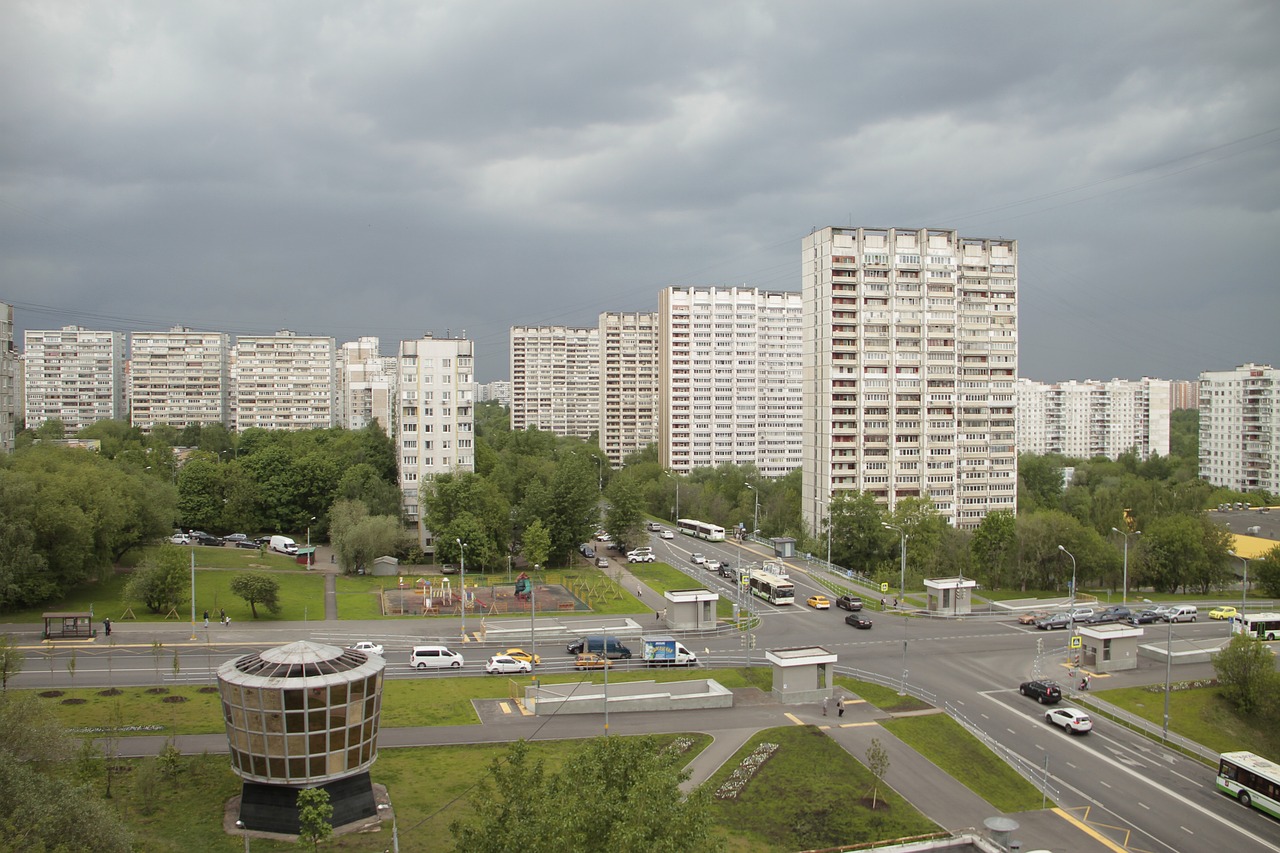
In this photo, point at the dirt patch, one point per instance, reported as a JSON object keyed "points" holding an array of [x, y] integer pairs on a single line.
{"points": [[880, 804], [49, 694], [110, 691], [74, 701], [174, 699], [207, 689], [157, 691]]}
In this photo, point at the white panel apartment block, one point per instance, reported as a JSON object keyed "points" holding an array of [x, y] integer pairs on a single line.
{"points": [[1240, 428], [628, 383], [9, 383], [497, 392], [75, 375], [555, 379], [1084, 419], [435, 432], [179, 377], [366, 386], [285, 381], [731, 386], [911, 339]]}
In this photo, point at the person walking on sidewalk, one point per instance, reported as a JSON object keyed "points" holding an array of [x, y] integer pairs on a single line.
{"points": [[824, 706], [840, 706]]}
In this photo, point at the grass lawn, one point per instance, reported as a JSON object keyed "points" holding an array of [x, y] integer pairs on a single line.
{"points": [[884, 698], [1200, 714], [810, 794], [428, 789], [661, 577], [425, 701], [945, 742]]}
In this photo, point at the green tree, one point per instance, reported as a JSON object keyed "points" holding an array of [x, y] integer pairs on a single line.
{"points": [[624, 518], [1039, 481], [11, 659], [1247, 674], [257, 588], [636, 803], [536, 544], [368, 538], [858, 538], [878, 764], [995, 547], [315, 816], [161, 582], [1266, 571]]}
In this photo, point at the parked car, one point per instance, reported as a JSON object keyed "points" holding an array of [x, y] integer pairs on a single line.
{"points": [[449, 569], [1082, 614], [587, 660], [1042, 690], [857, 621], [235, 537], [697, 558], [180, 539], [849, 602], [819, 602], [1110, 614], [602, 562], [1057, 620], [589, 552], [1072, 720], [604, 537], [202, 538], [641, 555], [368, 647], [667, 534], [1146, 617], [521, 654], [246, 543], [1031, 617], [499, 664]]}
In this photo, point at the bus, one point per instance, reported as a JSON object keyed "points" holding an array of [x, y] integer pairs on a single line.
{"points": [[772, 588], [1251, 779], [1264, 626], [693, 527]]}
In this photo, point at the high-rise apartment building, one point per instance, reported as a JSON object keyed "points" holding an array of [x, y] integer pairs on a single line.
{"points": [[498, 391], [1240, 428], [75, 375], [628, 383], [911, 343], [1184, 394], [731, 378], [1091, 418], [555, 379], [366, 385], [436, 418], [285, 381], [9, 383], [179, 377]]}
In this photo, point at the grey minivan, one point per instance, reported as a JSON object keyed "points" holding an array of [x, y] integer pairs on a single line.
{"points": [[596, 644]]}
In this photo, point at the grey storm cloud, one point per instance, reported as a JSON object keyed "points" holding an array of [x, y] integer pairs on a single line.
{"points": [[392, 169]]}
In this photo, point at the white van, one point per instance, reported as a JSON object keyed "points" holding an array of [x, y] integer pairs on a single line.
{"points": [[284, 545], [1182, 613], [434, 657]]}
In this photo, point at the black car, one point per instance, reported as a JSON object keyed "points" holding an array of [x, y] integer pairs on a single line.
{"points": [[1057, 620], [201, 538], [1045, 692], [857, 621], [1146, 617], [1110, 614], [849, 602], [245, 543]]}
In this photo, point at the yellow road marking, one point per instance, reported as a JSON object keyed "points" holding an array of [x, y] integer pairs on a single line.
{"points": [[506, 709], [856, 725], [793, 718], [1090, 831]]}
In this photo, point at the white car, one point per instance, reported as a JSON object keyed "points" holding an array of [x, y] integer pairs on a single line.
{"points": [[667, 534], [712, 565], [698, 559], [641, 555], [368, 647], [180, 539], [499, 664], [1071, 719]]}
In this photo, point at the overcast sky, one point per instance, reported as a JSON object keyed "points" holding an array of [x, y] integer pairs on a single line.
{"points": [[391, 169]]}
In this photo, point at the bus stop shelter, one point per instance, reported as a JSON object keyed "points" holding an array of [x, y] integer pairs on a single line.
{"points": [[75, 625], [950, 596], [802, 674]]}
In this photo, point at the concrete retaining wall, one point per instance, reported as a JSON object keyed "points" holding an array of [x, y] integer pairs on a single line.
{"points": [[627, 696]]}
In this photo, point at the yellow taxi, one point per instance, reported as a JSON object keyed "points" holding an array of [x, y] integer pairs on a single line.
{"points": [[819, 602], [1223, 613], [521, 654], [588, 660]]}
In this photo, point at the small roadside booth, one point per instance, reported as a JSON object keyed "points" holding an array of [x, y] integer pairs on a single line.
{"points": [[802, 674], [784, 547], [306, 556], [691, 609], [73, 625], [1110, 647], [385, 567], [949, 596]]}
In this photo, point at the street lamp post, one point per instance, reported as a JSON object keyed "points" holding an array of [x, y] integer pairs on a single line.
{"points": [[755, 519], [1244, 586], [462, 574], [1124, 595], [1071, 616], [902, 579], [675, 477], [311, 555]]}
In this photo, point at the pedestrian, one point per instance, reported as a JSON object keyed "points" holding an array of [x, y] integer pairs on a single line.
{"points": [[824, 706], [664, 613], [840, 707], [106, 624], [222, 615], [895, 601], [206, 618], [656, 615], [882, 602], [639, 591]]}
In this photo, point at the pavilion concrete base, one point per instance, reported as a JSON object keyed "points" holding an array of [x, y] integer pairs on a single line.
{"points": [[627, 696]]}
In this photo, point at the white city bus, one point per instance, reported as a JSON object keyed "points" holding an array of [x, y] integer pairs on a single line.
{"points": [[693, 527], [772, 588], [1264, 626], [1251, 779]]}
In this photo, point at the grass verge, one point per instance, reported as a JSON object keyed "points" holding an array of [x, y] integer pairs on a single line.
{"points": [[946, 743], [884, 698], [662, 577], [810, 794], [1200, 714]]}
